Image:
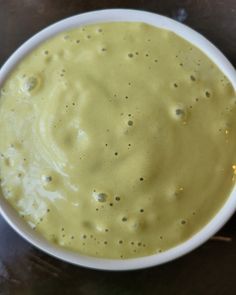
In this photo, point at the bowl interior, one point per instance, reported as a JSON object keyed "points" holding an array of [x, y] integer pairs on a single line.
{"points": [[112, 15]]}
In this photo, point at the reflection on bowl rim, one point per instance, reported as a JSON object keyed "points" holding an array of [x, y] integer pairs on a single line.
{"points": [[111, 15]]}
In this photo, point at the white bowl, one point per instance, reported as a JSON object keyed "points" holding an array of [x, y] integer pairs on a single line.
{"points": [[112, 15]]}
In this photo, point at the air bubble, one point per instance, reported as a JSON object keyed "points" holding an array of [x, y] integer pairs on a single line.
{"points": [[116, 154], [139, 244], [30, 84], [104, 49], [175, 85], [111, 204], [120, 242], [178, 190], [130, 55], [46, 52], [105, 243], [77, 41], [47, 178], [141, 179], [88, 37], [155, 60], [192, 78], [101, 197], [141, 210], [124, 219], [179, 112], [130, 123], [196, 99], [100, 30], [207, 93], [136, 53], [183, 222], [84, 236]]}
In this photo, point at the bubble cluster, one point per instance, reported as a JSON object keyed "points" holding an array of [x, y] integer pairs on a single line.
{"points": [[192, 78], [30, 83]]}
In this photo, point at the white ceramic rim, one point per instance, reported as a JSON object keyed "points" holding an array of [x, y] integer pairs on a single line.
{"points": [[114, 15]]}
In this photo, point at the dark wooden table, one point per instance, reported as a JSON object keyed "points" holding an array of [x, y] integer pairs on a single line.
{"points": [[208, 270]]}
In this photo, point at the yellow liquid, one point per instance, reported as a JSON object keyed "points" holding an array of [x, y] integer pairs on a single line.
{"points": [[117, 140]]}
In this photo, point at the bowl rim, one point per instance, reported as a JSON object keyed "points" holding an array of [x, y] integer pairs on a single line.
{"points": [[121, 15]]}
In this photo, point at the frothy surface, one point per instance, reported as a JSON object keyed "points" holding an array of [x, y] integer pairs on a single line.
{"points": [[117, 140]]}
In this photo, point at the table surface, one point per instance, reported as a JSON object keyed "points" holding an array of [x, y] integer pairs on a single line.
{"points": [[209, 269]]}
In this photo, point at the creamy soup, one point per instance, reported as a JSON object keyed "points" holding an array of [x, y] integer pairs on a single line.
{"points": [[117, 140]]}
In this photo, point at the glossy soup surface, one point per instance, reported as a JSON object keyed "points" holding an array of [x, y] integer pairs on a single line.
{"points": [[117, 140]]}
